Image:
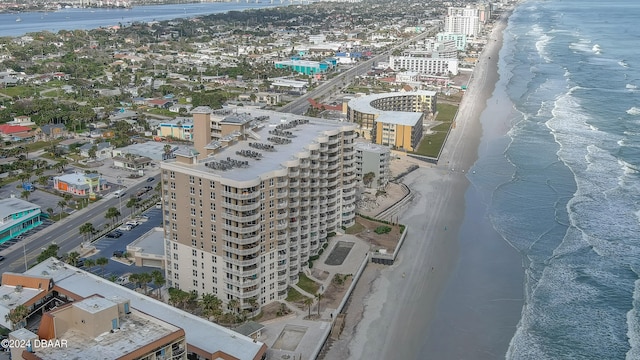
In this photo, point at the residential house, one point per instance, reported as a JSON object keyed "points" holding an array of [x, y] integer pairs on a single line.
{"points": [[103, 150], [15, 132], [51, 131], [132, 162]]}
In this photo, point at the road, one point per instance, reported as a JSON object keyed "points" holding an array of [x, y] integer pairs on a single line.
{"points": [[299, 106], [65, 232]]}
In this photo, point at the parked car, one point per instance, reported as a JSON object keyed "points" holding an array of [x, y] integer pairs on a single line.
{"points": [[133, 223], [114, 234], [1, 258], [148, 188], [118, 253], [123, 280], [151, 179], [80, 262], [159, 205], [125, 227]]}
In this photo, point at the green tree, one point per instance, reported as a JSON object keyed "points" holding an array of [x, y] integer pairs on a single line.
{"points": [[25, 194], [50, 212], [50, 251], [211, 305], [86, 230], [133, 203], [73, 258], [158, 281], [308, 302], [112, 214], [16, 316], [102, 262], [319, 297], [368, 178], [92, 151], [89, 263], [233, 305], [61, 205], [145, 279]]}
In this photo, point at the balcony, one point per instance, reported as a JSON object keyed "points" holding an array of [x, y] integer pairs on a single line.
{"points": [[282, 236], [282, 215], [305, 212], [241, 196], [243, 263], [243, 229], [241, 218], [282, 225], [293, 203], [282, 205], [242, 252], [241, 241], [294, 173], [293, 212], [244, 207], [243, 272], [243, 282], [282, 246], [282, 266], [333, 192], [282, 183], [282, 286], [333, 166], [348, 201], [244, 294], [282, 194]]}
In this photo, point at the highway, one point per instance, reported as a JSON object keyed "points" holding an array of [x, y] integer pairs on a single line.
{"points": [[299, 106], [65, 233]]}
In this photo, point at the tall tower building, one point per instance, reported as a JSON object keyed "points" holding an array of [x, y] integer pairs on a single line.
{"points": [[462, 20], [257, 196]]}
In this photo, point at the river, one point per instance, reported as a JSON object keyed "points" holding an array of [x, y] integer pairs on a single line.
{"points": [[85, 19]]}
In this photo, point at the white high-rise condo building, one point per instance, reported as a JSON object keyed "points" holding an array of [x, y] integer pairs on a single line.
{"points": [[462, 21], [257, 196]]}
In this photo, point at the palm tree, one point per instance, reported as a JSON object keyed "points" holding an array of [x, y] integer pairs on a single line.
{"points": [[112, 213], [16, 316], [308, 302], [102, 262], [211, 305], [43, 180], [25, 194], [86, 229], [73, 258], [135, 278], [61, 205], [319, 296], [133, 202], [50, 212], [158, 281], [145, 279], [89, 263], [232, 305]]}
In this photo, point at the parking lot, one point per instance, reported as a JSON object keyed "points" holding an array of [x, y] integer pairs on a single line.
{"points": [[106, 247], [45, 222]]}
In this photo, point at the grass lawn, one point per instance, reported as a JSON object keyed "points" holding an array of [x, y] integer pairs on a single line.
{"points": [[432, 143], [355, 229], [22, 91], [294, 296], [307, 284]]}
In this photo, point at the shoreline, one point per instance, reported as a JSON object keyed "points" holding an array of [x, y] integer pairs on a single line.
{"points": [[386, 321]]}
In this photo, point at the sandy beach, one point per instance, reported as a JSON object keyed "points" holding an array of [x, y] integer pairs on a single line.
{"points": [[390, 315]]}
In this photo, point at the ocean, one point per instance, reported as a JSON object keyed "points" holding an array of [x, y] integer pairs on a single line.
{"points": [[86, 19], [562, 184]]}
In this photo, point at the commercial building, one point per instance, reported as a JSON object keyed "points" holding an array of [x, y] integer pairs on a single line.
{"points": [[16, 217], [460, 40], [257, 196], [424, 65], [179, 128], [392, 119], [79, 183], [373, 159], [93, 318], [305, 67]]}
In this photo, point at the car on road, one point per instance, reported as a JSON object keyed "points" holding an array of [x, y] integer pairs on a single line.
{"points": [[148, 188], [119, 193], [114, 234], [118, 253], [151, 179]]}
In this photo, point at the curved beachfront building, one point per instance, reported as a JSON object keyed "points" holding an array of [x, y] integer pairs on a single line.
{"points": [[392, 119]]}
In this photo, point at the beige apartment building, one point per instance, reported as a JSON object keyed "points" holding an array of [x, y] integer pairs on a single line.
{"points": [[256, 197]]}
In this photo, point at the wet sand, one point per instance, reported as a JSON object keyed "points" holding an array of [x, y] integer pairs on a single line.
{"points": [[396, 317]]}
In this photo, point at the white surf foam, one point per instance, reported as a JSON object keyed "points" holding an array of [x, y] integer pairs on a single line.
{"points": [[634, 111]]}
